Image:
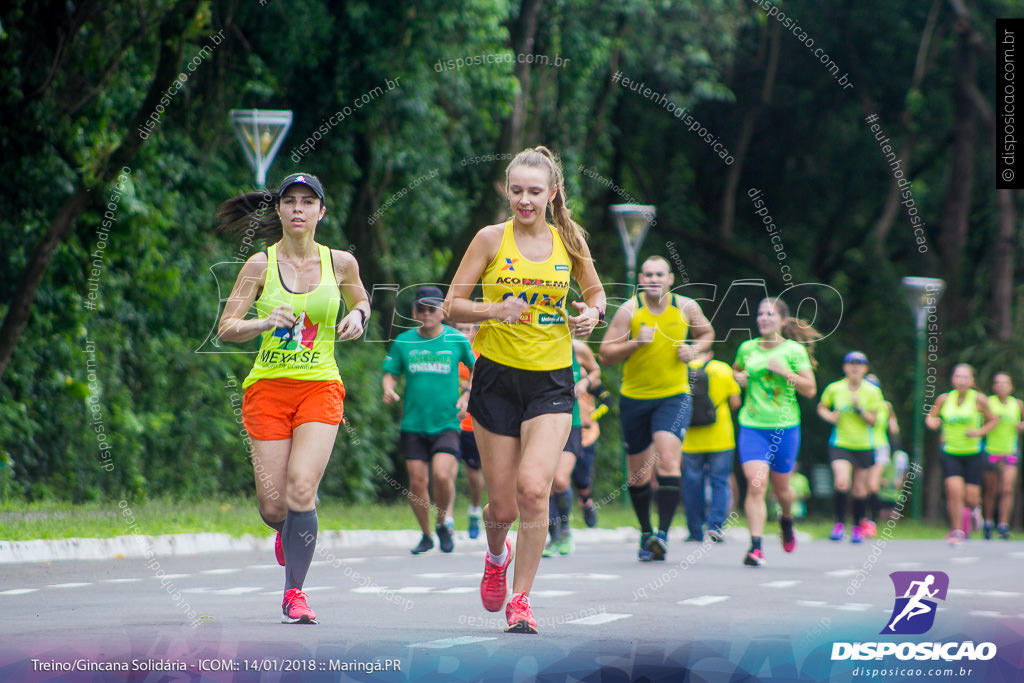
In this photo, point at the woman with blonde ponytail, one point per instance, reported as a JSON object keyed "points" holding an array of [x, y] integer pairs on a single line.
{"points": [[521, 397]]}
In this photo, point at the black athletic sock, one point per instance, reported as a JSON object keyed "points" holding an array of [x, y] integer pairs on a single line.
{"points": [[552, 518], [563, 504], [755, 542], [875, 505], [276, 526], [299, 541], [839, 502], [860, 510], [641, 498], [668, 501]]}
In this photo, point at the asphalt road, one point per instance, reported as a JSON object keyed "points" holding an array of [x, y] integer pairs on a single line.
{"points": [[602, 615]]}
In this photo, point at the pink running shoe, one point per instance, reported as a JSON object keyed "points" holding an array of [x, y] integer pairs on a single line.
{"points": [[955, 537], [754, 558], [279, 549], [868, 528], [296, 609], [519, 615], [494, 587]]}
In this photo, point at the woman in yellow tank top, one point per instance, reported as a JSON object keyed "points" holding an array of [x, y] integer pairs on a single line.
{"points": [[964, 417], [521, 397], [293, 399], [1002, 452]]}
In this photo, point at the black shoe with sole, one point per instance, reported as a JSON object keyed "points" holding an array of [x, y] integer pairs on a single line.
{"points": [[426, 543]]}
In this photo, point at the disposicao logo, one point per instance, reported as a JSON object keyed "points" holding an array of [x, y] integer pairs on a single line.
{"points": [[913, 613], [916, 593]]}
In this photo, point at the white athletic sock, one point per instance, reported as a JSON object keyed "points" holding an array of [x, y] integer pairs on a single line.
{"points": [[476, 511], [498, 559], [450, 521]]}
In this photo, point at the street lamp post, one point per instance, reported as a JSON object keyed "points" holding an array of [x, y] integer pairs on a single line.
{"points": [[261, 132], [922, 295], [633, 221]]}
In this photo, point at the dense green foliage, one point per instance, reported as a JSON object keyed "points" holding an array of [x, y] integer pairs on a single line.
{"points": [[410, 175]]}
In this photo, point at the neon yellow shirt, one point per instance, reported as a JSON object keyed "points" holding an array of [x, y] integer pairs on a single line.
{"points": [[1004, 438], [851, 431], [957, 420], [306, 350]]}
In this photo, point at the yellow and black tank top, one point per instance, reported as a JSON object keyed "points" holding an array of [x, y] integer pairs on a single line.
{"points": [[306, 350], [654, 370], [539, 340]]}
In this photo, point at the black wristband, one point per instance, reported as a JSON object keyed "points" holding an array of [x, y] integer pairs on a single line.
{"points": [[365, 315]]}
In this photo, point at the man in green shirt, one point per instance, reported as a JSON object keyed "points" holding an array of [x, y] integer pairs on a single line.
{"points": [[429, 358]]}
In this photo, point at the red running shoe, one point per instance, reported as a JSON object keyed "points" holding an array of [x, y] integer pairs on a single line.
{"points": [[296, 609], [788, 534], [519, 615], [494, 587], [279, 549]]}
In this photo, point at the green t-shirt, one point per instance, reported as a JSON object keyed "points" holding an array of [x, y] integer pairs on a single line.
{"points": [[431, 369], [770, 401], [851, 431]]}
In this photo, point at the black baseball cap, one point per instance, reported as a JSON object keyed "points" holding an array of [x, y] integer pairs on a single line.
{"points": [[429, 295], [310, 181]]}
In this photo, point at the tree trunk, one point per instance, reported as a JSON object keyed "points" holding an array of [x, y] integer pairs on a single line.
{"points": [[523, 32], [771, 36], [171, 29], [1002, 275]]}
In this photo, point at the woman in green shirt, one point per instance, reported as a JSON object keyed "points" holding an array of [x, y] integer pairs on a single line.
{"points": [[1002, 448], [772, 369], [964, 417]]}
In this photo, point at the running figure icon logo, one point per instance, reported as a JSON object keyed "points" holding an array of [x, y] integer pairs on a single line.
{"points": [[916, 595]]}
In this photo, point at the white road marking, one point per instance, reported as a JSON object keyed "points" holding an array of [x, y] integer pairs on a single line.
{"points": [[121, 580], [599, 619], [451, 642], [451, 575], [984, 613], [704, 600], [812, 603], [229, 570], [841, 573], [236, 590], [781, 584], [264, 566], [18, 591], [459, 589], [68, 585], [905, 565], [171, 576], [580, 575], [1018, 554], [984, 593], [854, 607], [550, 594], [414, 590]]}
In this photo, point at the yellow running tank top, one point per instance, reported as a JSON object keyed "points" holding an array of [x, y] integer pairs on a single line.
{"points": [[539, 340], [654, 370], [306, 350]]}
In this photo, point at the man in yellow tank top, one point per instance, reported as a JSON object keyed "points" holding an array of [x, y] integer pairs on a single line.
{"points": [[649, 334]]}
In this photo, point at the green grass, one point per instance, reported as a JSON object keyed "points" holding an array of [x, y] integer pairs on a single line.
{"points": [[237, 517]]}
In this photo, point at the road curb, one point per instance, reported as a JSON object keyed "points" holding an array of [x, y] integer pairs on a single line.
{"points": [[139, 546]]}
